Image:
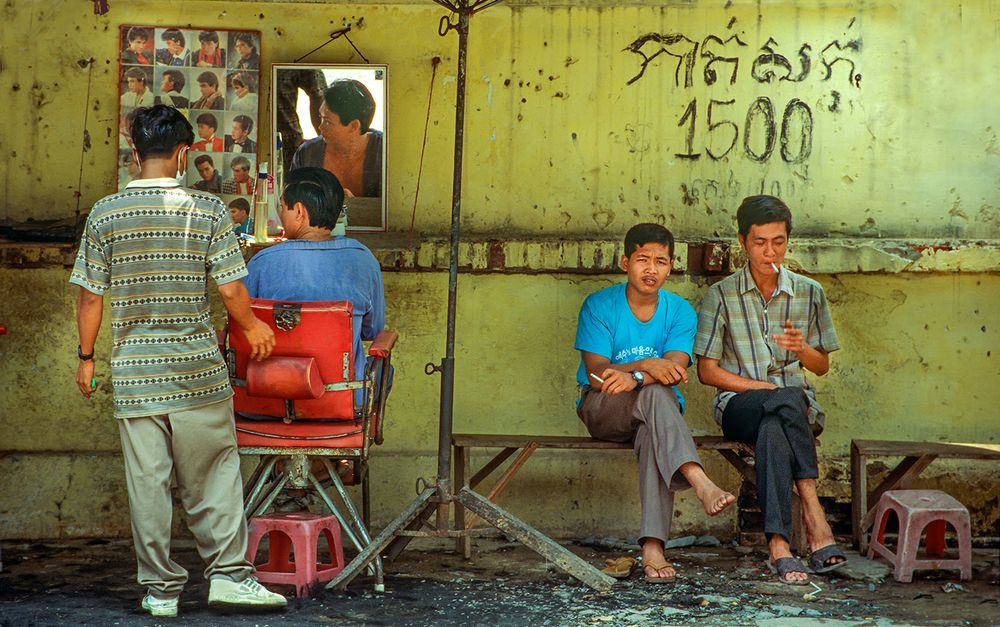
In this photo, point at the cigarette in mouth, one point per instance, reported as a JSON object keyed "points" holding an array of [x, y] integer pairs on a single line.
{"points": [[775, 268], [596, 378]]}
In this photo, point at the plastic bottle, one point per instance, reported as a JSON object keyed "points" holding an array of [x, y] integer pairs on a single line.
{"points": [[261, 206]]}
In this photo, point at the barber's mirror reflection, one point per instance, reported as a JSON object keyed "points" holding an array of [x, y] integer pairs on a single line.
{"points": [[333, 117]]}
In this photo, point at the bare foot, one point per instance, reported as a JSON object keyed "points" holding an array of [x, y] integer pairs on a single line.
{"points": [[650, 571], [654, 562], [715, 499], [779, 548], [820, 535]]}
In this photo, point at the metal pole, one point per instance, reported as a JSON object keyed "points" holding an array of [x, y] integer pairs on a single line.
{"points": [[395, 537], [448, 363]]}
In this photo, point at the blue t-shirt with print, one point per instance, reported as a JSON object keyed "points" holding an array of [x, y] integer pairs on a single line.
{"points": [[607, 327]]}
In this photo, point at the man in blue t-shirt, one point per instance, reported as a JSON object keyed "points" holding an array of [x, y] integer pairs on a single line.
{"points": [[313, 265], [635, 345]]}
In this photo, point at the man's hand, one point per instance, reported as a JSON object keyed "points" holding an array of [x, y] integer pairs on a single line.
{"points": [[616, 382], [84, 377], [791, 340], [665, 371], [261, 339]]}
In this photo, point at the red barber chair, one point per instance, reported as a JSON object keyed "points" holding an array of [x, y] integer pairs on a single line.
{"points": [[297, 410]]}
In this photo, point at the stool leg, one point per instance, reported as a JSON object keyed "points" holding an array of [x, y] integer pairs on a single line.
{"points": [[253, 542], [906, 548], [934, 538], [279, 548], [963, 528], [877, 542], [306, 557], [884, 513]]}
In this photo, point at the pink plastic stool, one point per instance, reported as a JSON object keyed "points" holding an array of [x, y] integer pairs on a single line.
{"points": [[298, 531], [917, 510]]}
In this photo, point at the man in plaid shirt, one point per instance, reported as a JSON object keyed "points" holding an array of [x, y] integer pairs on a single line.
{"points": [[759, 331]]}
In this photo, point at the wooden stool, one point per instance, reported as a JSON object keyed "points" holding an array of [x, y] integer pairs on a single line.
{"points": [[917, 510], [300, 532]]}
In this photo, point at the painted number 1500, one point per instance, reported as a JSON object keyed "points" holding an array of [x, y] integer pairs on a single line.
{"points": [[760, 122]]}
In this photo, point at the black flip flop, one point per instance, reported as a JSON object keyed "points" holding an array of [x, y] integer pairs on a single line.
{"points": [[784, 565], [818, 559]]}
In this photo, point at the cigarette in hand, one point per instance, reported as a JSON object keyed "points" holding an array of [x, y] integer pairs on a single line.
{"points": [[775, 268], [596, 378]]}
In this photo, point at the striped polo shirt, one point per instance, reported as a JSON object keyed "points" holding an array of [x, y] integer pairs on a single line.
{"points": [[736, 326], [154, 245]]}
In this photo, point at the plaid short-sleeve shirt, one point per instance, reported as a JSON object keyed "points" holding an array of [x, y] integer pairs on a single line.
{"points": [[154, 245], [736, 326]]}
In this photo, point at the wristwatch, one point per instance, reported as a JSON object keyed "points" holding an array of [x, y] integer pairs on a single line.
{"points": [[82, 356], [639, 379]]}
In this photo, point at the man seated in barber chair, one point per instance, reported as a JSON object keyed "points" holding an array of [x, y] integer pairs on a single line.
{"points": [[314, 265]]}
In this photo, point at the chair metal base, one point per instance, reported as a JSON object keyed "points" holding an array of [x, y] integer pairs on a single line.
{"points": [[265, 484]]}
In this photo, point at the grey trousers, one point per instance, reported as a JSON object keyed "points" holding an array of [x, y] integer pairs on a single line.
{"points": [[776, 423], [198, 447], [651, 419]]}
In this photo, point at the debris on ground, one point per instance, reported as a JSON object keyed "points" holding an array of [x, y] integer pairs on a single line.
{"points": [[93, 583]]}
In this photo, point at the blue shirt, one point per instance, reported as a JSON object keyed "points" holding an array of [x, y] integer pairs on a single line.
{"points": [[244, 228], [337, 269], [607, 327]]}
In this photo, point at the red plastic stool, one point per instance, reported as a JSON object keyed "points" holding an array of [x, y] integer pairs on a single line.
{"points": [[298, 531], [917, 510]]}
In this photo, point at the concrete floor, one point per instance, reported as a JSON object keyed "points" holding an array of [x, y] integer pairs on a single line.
{"points": [[92, 583]]}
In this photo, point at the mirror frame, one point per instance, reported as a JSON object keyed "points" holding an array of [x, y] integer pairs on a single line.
{"points": [[276, 152]]}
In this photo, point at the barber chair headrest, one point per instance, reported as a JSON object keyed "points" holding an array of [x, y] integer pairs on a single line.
{"points": [[289, 378]]}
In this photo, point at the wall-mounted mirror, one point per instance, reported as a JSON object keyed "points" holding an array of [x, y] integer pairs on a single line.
{"points": [[334, 117]]}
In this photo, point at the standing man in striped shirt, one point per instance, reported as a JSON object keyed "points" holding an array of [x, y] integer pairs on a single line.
{"points": [[154, 245], [759, 330]]}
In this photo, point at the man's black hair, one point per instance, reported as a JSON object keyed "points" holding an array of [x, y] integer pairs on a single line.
{"points": [[158, 130], [209, 78], [319, 191], [246, 122], [174, 34], [758, 210], [246, 38], [135, 33], [177, 78], [648, 233], [240, 203], [246, 79], [136, 73], [208, 120], [351, 100], [208, 36], [200, 159]]}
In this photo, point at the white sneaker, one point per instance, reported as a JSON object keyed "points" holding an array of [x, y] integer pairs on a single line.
{"points": [[159, 607], [248, 593]]}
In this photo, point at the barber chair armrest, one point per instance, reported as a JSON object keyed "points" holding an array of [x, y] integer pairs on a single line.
{"points": [[382, 344]]}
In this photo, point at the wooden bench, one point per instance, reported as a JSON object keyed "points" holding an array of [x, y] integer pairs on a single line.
{"points": [[917, 456], [736, 453]]}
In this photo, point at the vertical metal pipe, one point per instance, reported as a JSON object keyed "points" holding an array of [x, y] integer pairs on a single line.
{"points": [[448, 363]]}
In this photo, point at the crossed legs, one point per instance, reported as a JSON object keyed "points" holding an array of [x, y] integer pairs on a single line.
{"points": [[668, 460], [776, 423]]}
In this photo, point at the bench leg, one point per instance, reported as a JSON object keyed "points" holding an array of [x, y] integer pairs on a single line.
{"points": [[506, 477], [463, 543], [859, 497], [799, 541]]}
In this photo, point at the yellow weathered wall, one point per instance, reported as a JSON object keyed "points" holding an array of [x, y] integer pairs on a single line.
{"points": [[557, 141], [559, 147]]}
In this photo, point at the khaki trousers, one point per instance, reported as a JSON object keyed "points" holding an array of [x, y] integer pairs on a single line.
{"points": [[651, 419], [198, 448]]}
